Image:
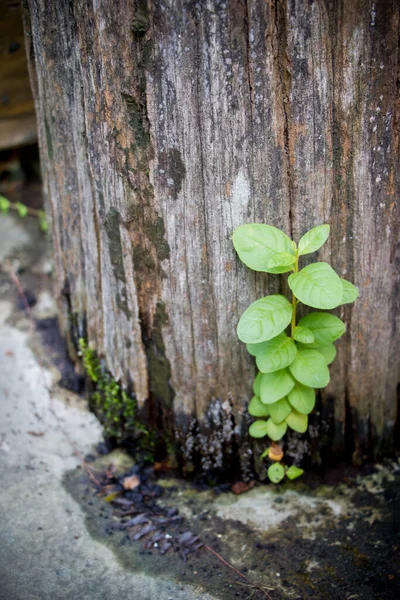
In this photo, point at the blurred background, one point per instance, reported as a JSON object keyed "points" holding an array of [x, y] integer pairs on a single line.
{"points": [[20, 179]]}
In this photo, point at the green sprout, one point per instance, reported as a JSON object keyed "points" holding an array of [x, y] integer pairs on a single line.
{"points": [[23, 211], [291, 365]]}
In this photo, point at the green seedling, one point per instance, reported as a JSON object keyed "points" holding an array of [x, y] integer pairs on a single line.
{"points": [[292, 357], [23, 211]]}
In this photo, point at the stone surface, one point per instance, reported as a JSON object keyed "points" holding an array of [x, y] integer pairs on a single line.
{"points": [[46, 551]]}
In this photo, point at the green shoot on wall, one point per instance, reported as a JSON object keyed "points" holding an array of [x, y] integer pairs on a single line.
{"points": [[23, 210], [293, 364]]}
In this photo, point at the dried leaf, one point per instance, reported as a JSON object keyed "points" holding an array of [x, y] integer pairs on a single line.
{"points": [[144, 531], [131, 483], [240, 487], [113, 496], [164, 546], [138, 520], [275, 452]]}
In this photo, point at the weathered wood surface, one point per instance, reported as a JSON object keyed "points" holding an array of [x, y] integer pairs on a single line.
{"points": [[163, 126]]}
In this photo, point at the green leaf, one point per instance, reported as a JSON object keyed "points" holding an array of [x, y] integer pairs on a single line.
{"points": [[4, 204], [275, 386], [350, 292], [256, 384], [279, 410], [309, 368], [297, 421], [281, 259], [265, 453], [276, 473], [328, 352], [326, 327], [276, 354], [302, 398], [254, 349], [276, 431], [258, 429], [44, 226], [294, 472], [22, 209], [313, 239], [303, 335], [258, 408], [317, 285], [264, 319], [256, 244]]}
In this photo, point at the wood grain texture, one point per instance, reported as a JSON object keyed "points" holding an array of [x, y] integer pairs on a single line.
{"points": [[166, 124]]}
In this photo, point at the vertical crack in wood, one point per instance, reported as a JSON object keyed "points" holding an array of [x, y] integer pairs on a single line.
{"points": [[285, 87], [250, 82], [249, 69]]}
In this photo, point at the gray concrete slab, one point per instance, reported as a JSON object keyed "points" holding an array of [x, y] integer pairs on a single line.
{"points": [[46, 551]]}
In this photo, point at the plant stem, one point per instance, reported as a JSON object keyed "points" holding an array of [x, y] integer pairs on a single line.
{"points": [[294, 299], [31, 211]]}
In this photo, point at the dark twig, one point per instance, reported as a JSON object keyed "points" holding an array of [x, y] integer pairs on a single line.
{"points": [[235, 570]]}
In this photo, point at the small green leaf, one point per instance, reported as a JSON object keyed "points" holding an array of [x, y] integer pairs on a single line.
{"points": [[275, 386], [276, 354], [294, 472], [302, 398], [276, 431], [258, 429], [258, 408], [313, 239], [328, 352], [264, 319], [256, 384], [265, 453], [276, 473], [303, 335], [317, 285], [254, 349], [257, 243], [326, 327], [44, 226], [309, 368], [281, 259], [4, 204], [297, 421], [350, 292], [22, 209], [279, 410]]}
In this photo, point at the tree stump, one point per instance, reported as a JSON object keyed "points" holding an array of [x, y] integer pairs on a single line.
{"points": [[164, 125]]}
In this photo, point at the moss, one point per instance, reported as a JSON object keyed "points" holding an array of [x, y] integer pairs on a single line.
{"points": [[155, 231], [142, 259], [137, 121], [159, 366], [174, 168], [111, 226], [113, 406], [146, 54], [141, 21], [122, 303]]}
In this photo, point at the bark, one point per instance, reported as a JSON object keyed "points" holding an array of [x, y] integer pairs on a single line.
{"points": [[163, 125]]}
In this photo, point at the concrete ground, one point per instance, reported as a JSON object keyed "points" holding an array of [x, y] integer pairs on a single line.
{"points": [[46, 551], [60, 539]]}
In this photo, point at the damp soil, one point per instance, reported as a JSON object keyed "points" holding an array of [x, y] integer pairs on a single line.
{"points": [[319, 554]]}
